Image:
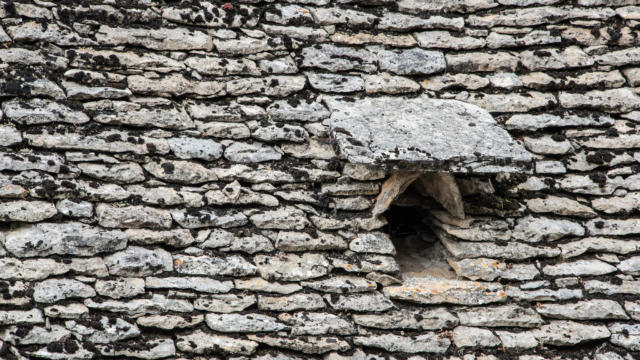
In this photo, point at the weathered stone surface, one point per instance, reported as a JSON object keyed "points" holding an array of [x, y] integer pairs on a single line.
{"points": [[429, 291], [292, 267], [133, 217], [250, 153], [425, 343], [201, 284], [291, 303], [26, 211], [307, 345], [259, 284], [224, 303], [154, 349], [512, 102], [40, 111], [243, 323], [584, 310], [341, 284], [213, 266], [300, 241], [157, 304], [361, 118], [560, 206], [45, 239], [369, 302], [579, 268], [536, 229], [568, 333], [160, 39], [203, 218], [174, 84], [169, 322], [626, 336], [491, 269], [335, 58], [314, 323], [54, 290], [176, 238], [139, 261], [613, 226], [18, 317], [500, 316], [464, 336], [126, 172], [210, 15], [200, 342], [389, 84], [120, 288], [286, 218], [433, 319], [335, 83], [411, 62], [614, 100], [163, 118], [513, 250]]}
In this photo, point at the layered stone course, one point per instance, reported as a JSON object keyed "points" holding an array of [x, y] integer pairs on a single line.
{"points": [[170, 185]]}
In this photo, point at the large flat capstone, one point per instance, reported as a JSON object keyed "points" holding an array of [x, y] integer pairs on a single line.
{"points": [[423, 134]]}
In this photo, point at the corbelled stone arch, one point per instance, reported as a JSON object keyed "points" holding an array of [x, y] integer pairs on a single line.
{"points": [[422, 144]]}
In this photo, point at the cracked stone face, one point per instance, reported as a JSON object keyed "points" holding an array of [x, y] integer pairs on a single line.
{"points": [[423, 133]]}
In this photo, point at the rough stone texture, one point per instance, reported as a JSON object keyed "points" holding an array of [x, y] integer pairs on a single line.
{"points": [[484, 144], [196, 179]]}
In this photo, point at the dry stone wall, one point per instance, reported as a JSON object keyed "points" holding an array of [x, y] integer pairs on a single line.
{"points": [[169, 188]]}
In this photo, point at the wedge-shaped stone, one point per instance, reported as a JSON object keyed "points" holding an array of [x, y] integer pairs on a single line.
{"points": [[596, 309], [133, 217], [160, 39], [485, 148], [630, 266], [543, 294], [213, 15], [200, 342], [26, 211], [243, 323], [107, 141], [432, 319], [138, 261], [226, 303], [44, 239], [365, 302], [306, 345], [168, 118], [41, 111], [536, 229], [431, 291], [500, 316], [427, 342], [513, 250], [233, 265], [291, 303], [569, 333], [291, 267], [579, 268], [54, 290]]}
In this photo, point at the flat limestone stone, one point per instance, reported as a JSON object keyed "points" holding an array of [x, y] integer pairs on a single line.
{"points": [[425, 134]]}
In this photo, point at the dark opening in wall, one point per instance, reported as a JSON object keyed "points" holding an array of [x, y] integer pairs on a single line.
{"points": [[418, 251]]}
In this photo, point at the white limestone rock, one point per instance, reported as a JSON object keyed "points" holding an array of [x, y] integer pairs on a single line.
{"points": [[569, 333], [579, 268], [41, 111], [26, 211], [596, 309], [139, 261], [133, 217], [427, 342], [120, 288], [233, 265], [291, 267], [243, 323], [200, 342], [44, 239], [54, 290]]}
